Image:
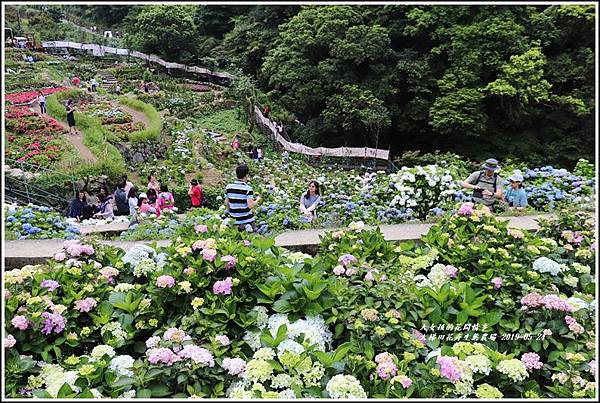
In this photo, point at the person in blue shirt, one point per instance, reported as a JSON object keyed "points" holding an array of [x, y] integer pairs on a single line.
{"points": [[78, 205], [515, 195]]}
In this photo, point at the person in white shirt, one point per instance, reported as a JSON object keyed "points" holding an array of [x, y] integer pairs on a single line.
{"points": [[42, 101]]}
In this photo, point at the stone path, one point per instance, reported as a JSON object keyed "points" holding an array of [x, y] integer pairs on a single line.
{"points": [[19, 253]]}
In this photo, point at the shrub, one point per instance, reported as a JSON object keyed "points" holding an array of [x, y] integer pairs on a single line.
{"points": [[155, 125]]}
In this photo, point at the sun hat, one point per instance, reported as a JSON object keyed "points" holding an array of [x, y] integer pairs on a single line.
{"points": [[516, 177], [491, 164], [143, 196]]}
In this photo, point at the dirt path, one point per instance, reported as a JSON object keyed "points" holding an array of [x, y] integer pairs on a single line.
{"points": [[210, 176], [137, 115], [75, 139]]}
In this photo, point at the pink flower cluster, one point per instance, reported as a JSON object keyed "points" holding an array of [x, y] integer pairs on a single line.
{"points": [[152, 341], [497, 281], [20, 322], [573, 325], [234, 366], [531, 361], [162, 355], [405, 381], [51, 285], [385, 365], [175, 334], [419, 336], [450, 271], [85, 305], [209, 254], [449, 368], [466, 209], [223, 339], [9, 341], [54, 322], [247, 242], [347, 259], [60, 256], [223, 286], [340, 270], [551, 301], [108, 273], [197, 354], [201, 228], [74, 248], [165, 281], [230, 261]]}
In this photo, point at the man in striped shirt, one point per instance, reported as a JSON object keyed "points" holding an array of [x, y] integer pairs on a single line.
{"points": [[239, 200]]}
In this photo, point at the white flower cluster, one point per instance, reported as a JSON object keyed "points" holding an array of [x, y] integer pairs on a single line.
{"points": [[122, 365], [345, 387], [545, 265], [54, 376], [436, 277], [136, 254]]}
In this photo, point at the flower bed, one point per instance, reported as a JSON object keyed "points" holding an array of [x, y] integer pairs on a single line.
{"points": [[36, 222], [31, 137], [221, 313], [20, 98]]}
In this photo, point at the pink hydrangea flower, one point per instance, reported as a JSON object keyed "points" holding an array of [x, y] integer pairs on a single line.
{"points": [[9, 341], [165, 281], [450, 271], [347, 259], [224, 340], [60, 256], [51, 285], [54, 322], [201, 228], [532, 300], [175, 334], [189, 270], [369, 276], [74, 248], [466, 209], [234, 366], [386, 370], [20, 322], [197, 354], [351, 271], [556, 303], [209, 254], [152, 341], [223, 286], [419, 336], [162, 355], [108, 273], [85, 305], [497, 281], [247, 242], [339, 270], [449, 368], [200, 244], [531, 361], [230, 261], [405, 381]]}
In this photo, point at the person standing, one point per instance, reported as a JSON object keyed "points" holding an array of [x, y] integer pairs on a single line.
{"points": [[310, 200], [70, 109], [42, 101], [259, 154], [486, 184], [254, 153], [118, 89], [76, 81], [515, 195], [121, 200], [239, 200], [93, 84], [195, 192]]}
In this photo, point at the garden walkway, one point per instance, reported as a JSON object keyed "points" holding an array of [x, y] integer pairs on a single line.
{"points": [[19, 253]]}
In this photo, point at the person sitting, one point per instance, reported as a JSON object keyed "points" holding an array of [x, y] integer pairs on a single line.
{"points": [[105, 210], [515, 195], [78, 205], [165, 198], [153, 183], [147, 207], [121, 200], [486, 184], [310, 200]]}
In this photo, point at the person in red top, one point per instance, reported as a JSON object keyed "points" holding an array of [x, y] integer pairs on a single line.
{"points": [[76, 81], [195, 192]]}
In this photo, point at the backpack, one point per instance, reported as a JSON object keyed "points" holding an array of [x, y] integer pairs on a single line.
{"points": [[481, 173]]}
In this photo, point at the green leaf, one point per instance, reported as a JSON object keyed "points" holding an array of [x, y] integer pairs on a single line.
{"points": [[64, 391], [147, 393], [123, 381], [159, 390], [462, 316], [282, 306], [368, 350]]}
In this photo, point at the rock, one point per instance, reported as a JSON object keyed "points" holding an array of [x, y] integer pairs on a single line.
{"points": [[138, 158]]}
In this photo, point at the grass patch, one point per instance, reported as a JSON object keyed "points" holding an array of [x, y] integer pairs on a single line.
{"points": [[110, 161], [226, 121], [151, 132]]}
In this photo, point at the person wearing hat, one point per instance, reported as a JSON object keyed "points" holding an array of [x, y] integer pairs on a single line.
{"points": [[515, 195], [486, 184], [195, 192]]}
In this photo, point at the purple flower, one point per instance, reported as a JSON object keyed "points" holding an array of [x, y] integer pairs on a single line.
{"points": [[339, 270], [345, 259], [531, 361], [369, 276], [209, 254], [466, 209], [54, 322], [497, 281], [405, 381], [224, 340], [223, 286], [163, 355], [449, 367], [165, 281], [201, 228], [450, 271], [51, 285], [230, 261], [234, 366], [85, 305], [9, 341]]}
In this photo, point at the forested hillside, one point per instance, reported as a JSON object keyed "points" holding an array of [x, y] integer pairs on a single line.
{"points": [[513, 81]]}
